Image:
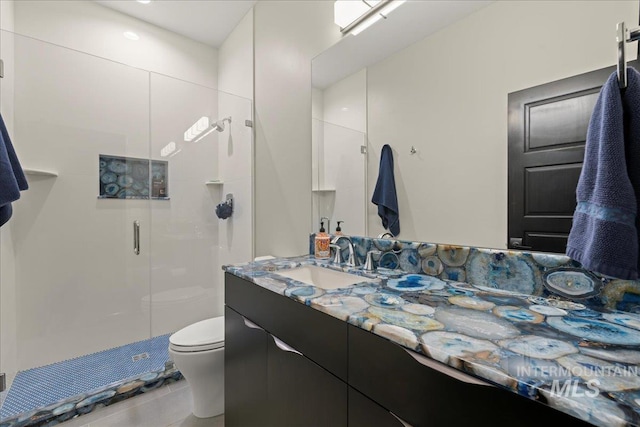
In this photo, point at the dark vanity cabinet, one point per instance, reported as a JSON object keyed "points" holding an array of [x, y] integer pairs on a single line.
{"points": [[245, 369], [364, 412], [301, 393], [424, 392], [286, 364], [290, 365]]}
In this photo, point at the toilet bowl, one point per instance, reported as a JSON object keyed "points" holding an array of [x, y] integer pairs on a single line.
{"points": [[198, 352]]}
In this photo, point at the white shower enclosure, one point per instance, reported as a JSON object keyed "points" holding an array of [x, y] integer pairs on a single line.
{"points": [[72, 282]]}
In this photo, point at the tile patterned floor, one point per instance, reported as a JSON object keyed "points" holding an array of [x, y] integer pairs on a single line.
{"points": [[39, 387]]}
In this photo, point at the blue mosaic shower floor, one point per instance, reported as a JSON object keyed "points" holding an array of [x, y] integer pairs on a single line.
{"points": [[39, 387]]}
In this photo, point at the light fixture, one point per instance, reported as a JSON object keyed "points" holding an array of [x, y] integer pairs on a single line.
{"points": [[144, 1], [131, 35], [355, 16], [196, 129], [168, 149], [347, 11]]}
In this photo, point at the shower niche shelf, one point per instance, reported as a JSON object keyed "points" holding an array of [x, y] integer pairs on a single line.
{"points": [[39, 172], [214, 182], [324, 190]]}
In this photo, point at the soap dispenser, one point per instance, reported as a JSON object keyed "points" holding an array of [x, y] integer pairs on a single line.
{"points": [[322, 242], [339, 229]]}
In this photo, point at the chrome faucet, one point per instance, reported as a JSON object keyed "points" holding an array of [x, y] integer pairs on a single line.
{"points": [[369, 265], [352, 261]]}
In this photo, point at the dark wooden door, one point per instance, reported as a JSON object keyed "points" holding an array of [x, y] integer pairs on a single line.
{"points": [[547, 132]]}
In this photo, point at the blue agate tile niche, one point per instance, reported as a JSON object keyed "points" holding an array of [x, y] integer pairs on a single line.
{"points": [[132, 178]]}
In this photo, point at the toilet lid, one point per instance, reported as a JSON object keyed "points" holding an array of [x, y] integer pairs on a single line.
{"points": [[203, 333]]}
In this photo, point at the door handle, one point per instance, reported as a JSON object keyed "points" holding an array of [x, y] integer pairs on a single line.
{"points": [[516, 243], [403, 422], [249, 324], [136, 237], [447, 370], [282, 346]]}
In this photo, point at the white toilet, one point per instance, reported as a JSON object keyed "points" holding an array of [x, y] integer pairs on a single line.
{"points": [[198, 352]]}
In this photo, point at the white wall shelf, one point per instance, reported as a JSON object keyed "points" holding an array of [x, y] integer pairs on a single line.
{"points": [[325, 190], [214, 182], [39, 172]]}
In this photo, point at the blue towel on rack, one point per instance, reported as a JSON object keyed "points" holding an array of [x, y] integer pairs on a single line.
{"points": [[604, 234], [384, 194], [12, 179]]}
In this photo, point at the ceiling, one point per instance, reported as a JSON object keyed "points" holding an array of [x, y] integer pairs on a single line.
{"points": [[211, 21], [409, 23], [207, 21]]}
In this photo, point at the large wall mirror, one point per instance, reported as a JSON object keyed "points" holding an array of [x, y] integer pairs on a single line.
{"points": [[435, 76]]}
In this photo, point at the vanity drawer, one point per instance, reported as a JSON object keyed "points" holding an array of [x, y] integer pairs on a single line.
{"points": [[364, 412], [317, 335], [437, 395]]}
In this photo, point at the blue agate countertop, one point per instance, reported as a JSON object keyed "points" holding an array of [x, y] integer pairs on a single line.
{"points": [[580, 359]]}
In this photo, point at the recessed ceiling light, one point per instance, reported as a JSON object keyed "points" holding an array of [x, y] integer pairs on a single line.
{"points": [[144, 1], [131, 35]]}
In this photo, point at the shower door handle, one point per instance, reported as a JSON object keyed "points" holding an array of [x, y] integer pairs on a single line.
{"points": [[136, 237]]}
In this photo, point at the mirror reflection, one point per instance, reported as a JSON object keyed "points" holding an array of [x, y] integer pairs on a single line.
{"points": [[436, 80]]}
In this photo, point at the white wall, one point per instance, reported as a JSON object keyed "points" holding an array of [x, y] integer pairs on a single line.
{"points": [[235, 148], [73, 258], [287, 36], [447, 96], [345, 102], [100, 32], [235, 60]]}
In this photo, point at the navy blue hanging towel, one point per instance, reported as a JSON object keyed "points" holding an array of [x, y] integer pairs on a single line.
{"points": [[12, 179], [385, 195], [604, 234]]}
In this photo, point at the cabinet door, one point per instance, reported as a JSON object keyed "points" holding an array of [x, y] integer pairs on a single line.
{"points": [[301, 393], [364, 412], [245, 371], [320, 337], [428, 393]]}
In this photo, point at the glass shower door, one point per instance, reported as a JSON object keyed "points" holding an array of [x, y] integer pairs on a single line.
{"points": [[72, 283], [184, 242], [207, 164]]}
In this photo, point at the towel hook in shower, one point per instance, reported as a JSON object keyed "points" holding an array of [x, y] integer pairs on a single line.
{"points": [[623, 36]]}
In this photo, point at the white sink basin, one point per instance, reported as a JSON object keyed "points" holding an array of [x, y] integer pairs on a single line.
{"points": [[324, 278]]}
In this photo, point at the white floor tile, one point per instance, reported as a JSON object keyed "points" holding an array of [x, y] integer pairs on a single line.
{"points": [[125, 405]]}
